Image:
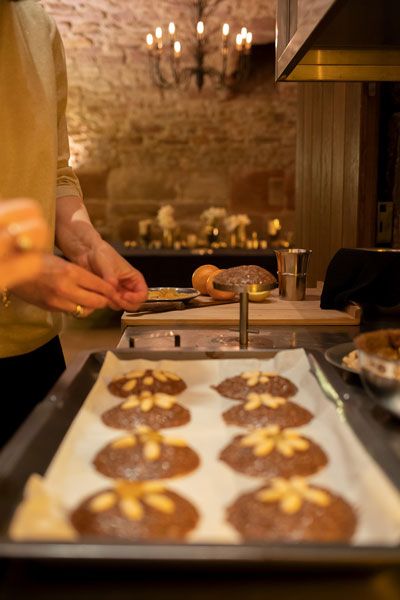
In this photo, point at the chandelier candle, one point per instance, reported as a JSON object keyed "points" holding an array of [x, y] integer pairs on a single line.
{"points": [[202, 46]]}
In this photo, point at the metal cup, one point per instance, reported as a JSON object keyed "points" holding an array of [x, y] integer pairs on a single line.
{"points": [[292, 272]]}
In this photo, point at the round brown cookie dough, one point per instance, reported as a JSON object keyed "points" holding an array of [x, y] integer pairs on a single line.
{"points": [[240, 386], [326, 518], [135, 511], [133, 412], [273, 452], [245, 275], [152, 380], [289, 414], [145, 455]]}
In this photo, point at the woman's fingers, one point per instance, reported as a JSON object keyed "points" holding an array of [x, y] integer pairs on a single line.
{"points": [[88, 299], [92, 283]]}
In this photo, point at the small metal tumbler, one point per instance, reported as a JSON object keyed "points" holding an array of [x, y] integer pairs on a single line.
{"points": [[292, 272]]}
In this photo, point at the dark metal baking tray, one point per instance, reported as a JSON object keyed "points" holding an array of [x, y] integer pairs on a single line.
{"points": [[34, 445]]}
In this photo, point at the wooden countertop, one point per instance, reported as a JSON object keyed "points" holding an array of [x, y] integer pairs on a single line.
{"points": [[273, 311]]}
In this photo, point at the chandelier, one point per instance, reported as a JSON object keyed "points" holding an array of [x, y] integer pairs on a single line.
{"points": [[168, 49]]}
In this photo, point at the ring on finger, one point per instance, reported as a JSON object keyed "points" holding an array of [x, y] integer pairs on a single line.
{"points": [[22, 241], [79, 312]]}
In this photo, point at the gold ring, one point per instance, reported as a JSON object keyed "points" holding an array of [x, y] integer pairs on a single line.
{"points": [[22, 241], [78, 312]]}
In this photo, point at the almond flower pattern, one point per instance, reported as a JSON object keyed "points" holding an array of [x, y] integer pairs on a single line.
{"points": [[291, 493], [151, 441], [146, 401], [254, 377], [131, 498], [255, 401], [133, 376], [266, 439]]}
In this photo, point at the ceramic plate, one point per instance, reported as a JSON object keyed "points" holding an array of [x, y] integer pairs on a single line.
{"points": [[171, 294]]}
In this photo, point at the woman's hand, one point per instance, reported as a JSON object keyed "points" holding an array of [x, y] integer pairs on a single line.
{"points": [[63, 286], [129, 283], [23, 235]]}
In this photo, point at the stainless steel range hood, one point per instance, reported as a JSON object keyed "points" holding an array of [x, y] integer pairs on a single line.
{"points": [[338, 40]]}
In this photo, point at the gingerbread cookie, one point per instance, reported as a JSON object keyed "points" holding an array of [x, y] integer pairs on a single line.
{"points": [[259, 382], [146, 454], [272, 452], [135, 511], [153, 410], [291, 510], [245, 275], [265, 409], [150, 380]]}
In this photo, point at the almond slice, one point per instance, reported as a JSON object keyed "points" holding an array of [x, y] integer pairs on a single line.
{"points": [[299, 444], [250, 374], [160, 376], [160, 502], [146, 405], [285, 448], [125, 442], [269, 495], [103, 502], [176, 442], [252, 381], [130, 403], [151, 451], [131, 508], [264, 448], [129, 385], [252, 404], [172, 376], [165, 401], [148, 380], [318, 497], [135, 374], [291, 503]]}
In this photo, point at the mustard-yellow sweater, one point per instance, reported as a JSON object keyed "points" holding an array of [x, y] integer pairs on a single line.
{"points": [[34, 150]]}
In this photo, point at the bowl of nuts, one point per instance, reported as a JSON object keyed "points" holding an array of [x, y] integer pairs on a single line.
{"points": [[379, 359]]}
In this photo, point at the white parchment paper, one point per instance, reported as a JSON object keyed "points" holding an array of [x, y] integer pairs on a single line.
{"points": [[214, 486]]}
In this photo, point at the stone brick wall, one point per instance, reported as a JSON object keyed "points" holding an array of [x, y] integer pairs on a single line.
{"points": [[136, 148]]}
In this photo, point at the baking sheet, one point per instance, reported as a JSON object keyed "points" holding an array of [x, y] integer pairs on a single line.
{"points": [[214, 486]]}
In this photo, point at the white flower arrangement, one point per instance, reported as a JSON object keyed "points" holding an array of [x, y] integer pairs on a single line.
{"points": [[234, 221], [166, 218], [212, 214]]}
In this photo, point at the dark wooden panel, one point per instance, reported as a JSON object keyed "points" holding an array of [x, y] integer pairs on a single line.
{"points": [[336, 170], [338, 135], [351, 158]]}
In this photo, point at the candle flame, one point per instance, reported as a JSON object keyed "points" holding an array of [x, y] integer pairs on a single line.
{"points": [[200, 27], [171, 28], [158, 33], [243, 32], [225, 29], [149, 40], [177, 48], [239, 41]]}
